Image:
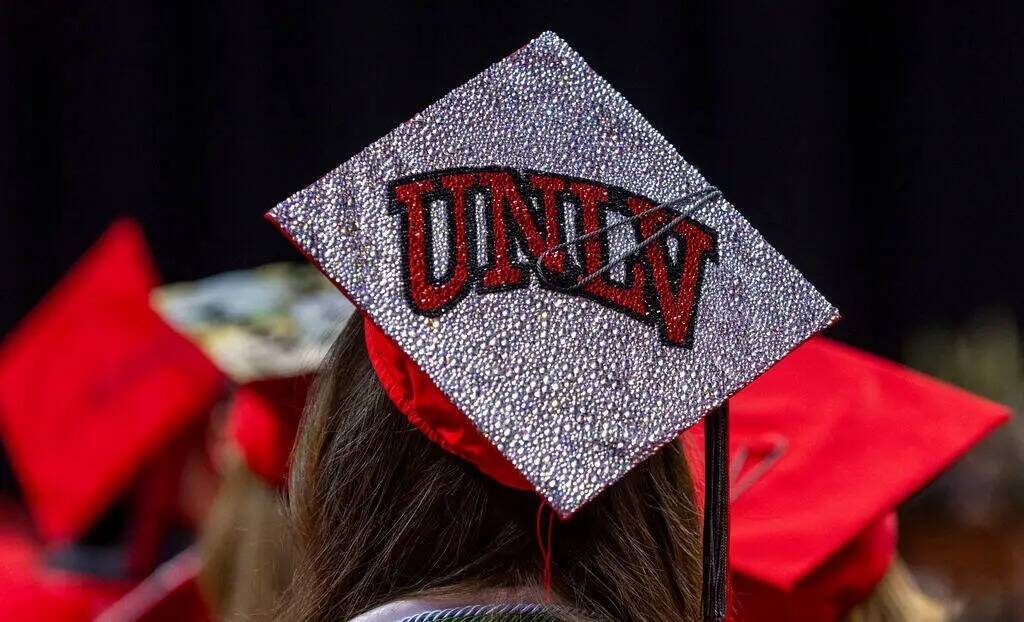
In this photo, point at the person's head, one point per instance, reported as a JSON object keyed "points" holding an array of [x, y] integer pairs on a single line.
{"points": [[381, 512]]}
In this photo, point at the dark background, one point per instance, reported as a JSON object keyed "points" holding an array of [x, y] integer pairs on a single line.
{"points": [[878, 147]]}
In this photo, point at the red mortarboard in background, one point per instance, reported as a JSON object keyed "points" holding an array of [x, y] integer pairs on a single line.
{"points": [[844, 580], [262, 420], [93, 383], [824, 446]]}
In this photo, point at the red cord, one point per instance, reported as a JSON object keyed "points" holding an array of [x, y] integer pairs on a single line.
{"points": [[545, 551]]}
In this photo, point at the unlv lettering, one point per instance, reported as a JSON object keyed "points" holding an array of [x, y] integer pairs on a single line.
{"points": [[520, 218]]}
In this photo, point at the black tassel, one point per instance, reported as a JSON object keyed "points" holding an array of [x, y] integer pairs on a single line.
{"points": [[716, 514]]}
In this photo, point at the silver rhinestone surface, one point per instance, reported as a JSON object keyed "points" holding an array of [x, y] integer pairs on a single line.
{"points": [[573, 393]]}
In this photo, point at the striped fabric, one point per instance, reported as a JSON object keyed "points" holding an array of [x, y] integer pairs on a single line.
{"points": [[497, 613]]}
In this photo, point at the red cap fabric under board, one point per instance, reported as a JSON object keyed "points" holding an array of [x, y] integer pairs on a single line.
{"points": [[855, 436], [93, 382], [262, 420]]}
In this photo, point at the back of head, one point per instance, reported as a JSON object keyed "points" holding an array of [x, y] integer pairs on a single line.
{"points": [[382, 513]]}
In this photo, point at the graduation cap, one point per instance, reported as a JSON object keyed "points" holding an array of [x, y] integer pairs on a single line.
{"points": [[563, 292], [272, 321], [93, 383], [268, 328], [824, 447], [263, 419]]}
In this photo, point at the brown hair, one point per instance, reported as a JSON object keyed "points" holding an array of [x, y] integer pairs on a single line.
{"points": [[381, 513], [245, 545]]}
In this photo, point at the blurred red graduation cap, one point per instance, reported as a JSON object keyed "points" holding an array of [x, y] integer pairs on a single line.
{"points": [[94, 382], [267, 328], [824, 447], [262, 420]]}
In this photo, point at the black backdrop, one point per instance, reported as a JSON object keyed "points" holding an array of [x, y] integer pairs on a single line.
{"points": [[879, 147]]}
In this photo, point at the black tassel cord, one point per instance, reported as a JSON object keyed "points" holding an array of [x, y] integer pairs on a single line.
{"points": [[714, 595]]}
